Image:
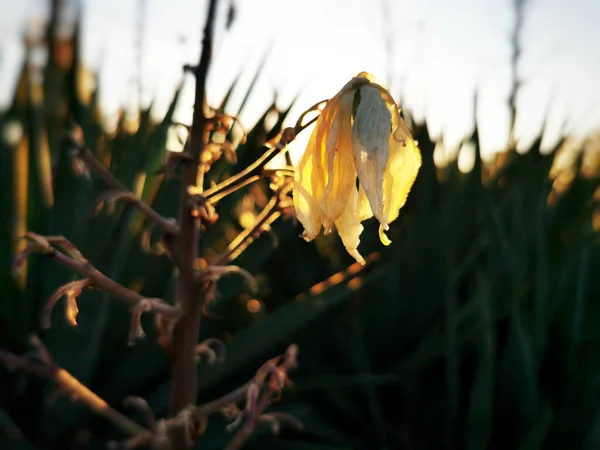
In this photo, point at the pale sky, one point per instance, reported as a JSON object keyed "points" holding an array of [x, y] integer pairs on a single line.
{"points": [[441, 50]]}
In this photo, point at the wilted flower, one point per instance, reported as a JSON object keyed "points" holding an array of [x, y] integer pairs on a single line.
{"points": [[359, 134]]}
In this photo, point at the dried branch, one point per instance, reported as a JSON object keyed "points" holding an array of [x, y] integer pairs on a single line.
{"points": [[141, 405], [277, 205], [219, 404], [118, 190], [271, 375], [69, 385], [199, 209], [257, 169], [146, 242], [214, 272], [267, 386], [93, 278], [213, 349], [145, 305], [71, 290], [185, 246], [185, 427], [168, 225]]}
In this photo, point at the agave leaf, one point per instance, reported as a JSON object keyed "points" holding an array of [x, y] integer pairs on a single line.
{"points": [[157, 148], [481, 399]]}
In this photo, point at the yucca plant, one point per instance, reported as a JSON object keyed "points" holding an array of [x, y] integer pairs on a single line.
{"points": [[474, 329], [54, 182]]}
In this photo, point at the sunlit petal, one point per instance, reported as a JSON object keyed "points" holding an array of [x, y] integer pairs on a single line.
{"points": [[364, 208], [403, 167], [342, 173], [370, 78], [309, 189], [349, 227], [328, 152], [370, 145]]}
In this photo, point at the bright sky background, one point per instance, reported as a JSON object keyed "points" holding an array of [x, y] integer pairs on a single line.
{"points": [[441, 50]]}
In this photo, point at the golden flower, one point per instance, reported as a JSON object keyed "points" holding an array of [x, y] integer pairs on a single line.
{"points": [[359, 134]]}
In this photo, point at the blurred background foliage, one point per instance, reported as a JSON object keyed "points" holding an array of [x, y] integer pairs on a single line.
{"points": [[476, 329]]}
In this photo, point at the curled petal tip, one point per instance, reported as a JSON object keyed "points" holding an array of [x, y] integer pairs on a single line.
{"points": [[382, 236]]}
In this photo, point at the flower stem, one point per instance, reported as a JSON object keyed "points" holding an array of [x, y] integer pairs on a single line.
{"points": [[185, 335]]}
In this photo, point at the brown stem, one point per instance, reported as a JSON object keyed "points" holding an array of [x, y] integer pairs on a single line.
{"points": [[182, 429], [242, 435], [267, 216], [185, 335], [101, 281], [224, 191], [252, 172], [69, 385], [271, 212], [275, 378], [256, 169], [233, 397], [123, 193], [288, 362]]}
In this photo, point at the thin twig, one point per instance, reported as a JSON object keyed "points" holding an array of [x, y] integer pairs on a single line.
{"points": [[255, 170], [267, 216], [92, 277], [233, 397], [186, 426], [288, 361], [119, 190], [142, 406], [70, 290], [69, 385], [101, 281], [168, 225], [267, 386]]}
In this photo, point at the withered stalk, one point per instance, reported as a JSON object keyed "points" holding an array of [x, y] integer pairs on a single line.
{"points": [[185, 335]]}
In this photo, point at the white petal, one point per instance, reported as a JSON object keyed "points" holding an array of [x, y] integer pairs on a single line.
{"points": [[370, 145]]}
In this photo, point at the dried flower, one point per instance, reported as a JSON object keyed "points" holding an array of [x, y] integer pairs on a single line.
{"points": [[359, 134]]}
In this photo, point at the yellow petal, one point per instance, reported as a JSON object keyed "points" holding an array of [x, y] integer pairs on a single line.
{"points": [[371, 79], [403, 167], [309, 188], [327, 152], [340, 163], [364, 209], [324, 132], [349, 227], [383, 237], [370, 145]]}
